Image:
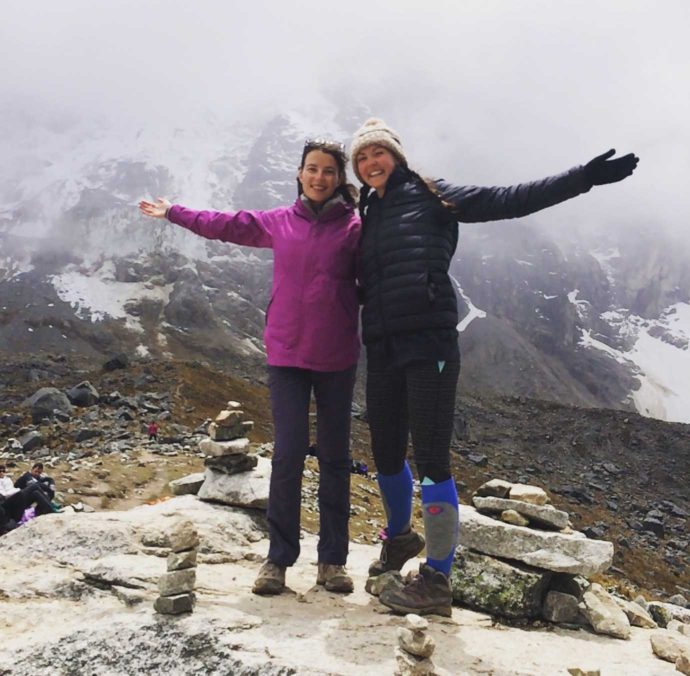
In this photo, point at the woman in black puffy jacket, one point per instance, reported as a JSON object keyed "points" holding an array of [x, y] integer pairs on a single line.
{"points": [[409, 319]]}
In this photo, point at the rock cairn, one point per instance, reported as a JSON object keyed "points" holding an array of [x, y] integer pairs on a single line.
{"points": [[233, 475], [176, 586], [415, 648], [520, 558]]}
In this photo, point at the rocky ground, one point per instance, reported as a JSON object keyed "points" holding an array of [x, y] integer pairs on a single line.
{"points": [[621, 477], [95, 576]]}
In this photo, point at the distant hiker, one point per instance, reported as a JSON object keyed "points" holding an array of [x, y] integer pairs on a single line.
{"points": [[152, 430], [409, 320], [311, 344]]}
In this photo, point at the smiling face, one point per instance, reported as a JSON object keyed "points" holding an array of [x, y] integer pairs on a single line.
{"points": [[319, 176], [375, 164]]}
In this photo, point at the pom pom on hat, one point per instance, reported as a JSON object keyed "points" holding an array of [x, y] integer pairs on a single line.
{"points": [[376, 132]]}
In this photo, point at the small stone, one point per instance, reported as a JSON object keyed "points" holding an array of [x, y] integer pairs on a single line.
{"points": [[637, 615], [576, 671], [174, 605], [683, 664], [211, 447], [229, 418], [603, 614], [641, 601], [233, 405], [679, 600], [409, 665], [660, 615], [496, 488], [512, 517], [128, 596], [181, 560], [531, 494], [177, 582], [416, 643], [187, 485], [183, 536], [416, 622], [375, 585], [561, 608], [669, 646]]}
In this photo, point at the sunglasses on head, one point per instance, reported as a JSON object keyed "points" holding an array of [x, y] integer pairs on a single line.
{"points": [[326, 144]]}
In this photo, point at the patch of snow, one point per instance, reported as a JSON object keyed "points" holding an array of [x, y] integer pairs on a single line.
{"points": [[474, 312], [98, 296], [521, 262], [581, 306], [142, 351]]}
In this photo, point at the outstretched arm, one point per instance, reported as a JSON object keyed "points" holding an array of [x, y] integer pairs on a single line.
{"points": [[474, 204], [249, 228]]}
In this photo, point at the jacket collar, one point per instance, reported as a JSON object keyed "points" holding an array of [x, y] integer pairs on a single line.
{"points": [[334, 208]]}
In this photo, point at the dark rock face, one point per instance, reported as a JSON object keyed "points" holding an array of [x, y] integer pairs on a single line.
{"points": [[119, 361]]}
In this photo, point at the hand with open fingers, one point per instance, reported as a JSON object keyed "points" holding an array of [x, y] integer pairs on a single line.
{"points": [[157, 209], [603, 170]]}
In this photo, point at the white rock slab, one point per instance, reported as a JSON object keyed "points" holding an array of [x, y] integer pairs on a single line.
{"points": [[542, 549], [246, 489]]}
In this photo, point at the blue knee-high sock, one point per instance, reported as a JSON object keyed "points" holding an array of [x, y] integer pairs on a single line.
{"points": [[440, 506], [396, 491]]}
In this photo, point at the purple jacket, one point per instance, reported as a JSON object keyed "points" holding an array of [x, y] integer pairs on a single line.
{"points": [[312, 317]]}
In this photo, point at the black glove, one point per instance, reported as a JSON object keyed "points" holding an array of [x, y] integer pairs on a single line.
{"points": [[602, 170]]}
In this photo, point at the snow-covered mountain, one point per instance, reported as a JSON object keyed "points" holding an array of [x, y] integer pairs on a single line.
{"points": [[603, 321]]}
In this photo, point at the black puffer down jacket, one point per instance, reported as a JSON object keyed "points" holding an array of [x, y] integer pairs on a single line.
{"points": [[409, 237]]}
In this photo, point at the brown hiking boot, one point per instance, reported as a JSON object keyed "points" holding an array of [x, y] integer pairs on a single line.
{"points": [[396, 551], [270, 580], [428, 593], [334, 578]]}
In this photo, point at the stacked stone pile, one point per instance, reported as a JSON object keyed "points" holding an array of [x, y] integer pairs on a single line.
{"points": [[233, 475], [176, 586], [415, 648], [520, 558]]}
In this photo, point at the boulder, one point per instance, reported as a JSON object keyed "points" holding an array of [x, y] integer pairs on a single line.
{"points": [[84, 394], [46, 401], [541, 515], [31, 441], [497, 587], [246, 489], [119, 361], [557, 552], [603, 613]]}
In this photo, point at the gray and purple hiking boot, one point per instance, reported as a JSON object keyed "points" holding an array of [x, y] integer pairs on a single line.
{"points": [[427, 593], [396, 551]]}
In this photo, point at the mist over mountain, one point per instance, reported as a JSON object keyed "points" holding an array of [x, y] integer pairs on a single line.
{"points": [[574, 315]]}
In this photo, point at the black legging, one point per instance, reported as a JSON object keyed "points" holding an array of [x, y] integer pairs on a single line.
{"points": [[416, 399]]}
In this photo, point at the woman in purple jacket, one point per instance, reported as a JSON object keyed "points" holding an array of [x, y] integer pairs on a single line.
{"points": [[311, 344]]}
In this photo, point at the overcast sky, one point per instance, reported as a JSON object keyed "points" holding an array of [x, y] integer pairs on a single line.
{"points": [[484, 91]]}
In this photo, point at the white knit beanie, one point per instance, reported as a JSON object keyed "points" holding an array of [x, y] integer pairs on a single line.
{"points": [[376, 131]]}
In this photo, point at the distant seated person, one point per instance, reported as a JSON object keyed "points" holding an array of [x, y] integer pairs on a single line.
{"points": [[153, 430], [359, 468], [35, 477], [15, 499]]}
